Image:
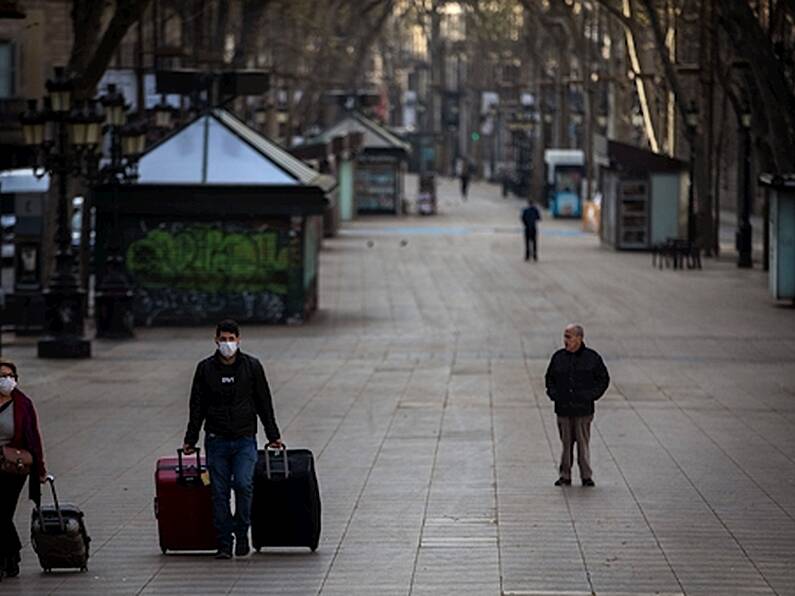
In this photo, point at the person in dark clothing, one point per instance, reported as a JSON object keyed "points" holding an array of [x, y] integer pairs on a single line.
{"points": [[19, 429], [575, 379], [466, 172], [229, 392], [530, 216]]}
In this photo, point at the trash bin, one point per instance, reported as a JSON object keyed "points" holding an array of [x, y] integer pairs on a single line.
{"points": [[426, 196]]}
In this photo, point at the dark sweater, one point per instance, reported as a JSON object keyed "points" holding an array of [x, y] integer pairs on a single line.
{"points": [[27, 436], [227, 399], [575, 380]]}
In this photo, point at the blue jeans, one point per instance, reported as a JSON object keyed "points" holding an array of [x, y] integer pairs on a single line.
{"points": [[231, 463]]}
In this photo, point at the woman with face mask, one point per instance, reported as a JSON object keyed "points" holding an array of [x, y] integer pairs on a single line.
{"points": [[19, 433]]}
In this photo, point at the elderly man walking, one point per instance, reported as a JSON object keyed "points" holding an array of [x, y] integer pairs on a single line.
{"points": [[575, 379]]}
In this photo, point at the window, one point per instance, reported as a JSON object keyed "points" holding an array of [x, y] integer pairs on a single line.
{"points": [[7, 87]]}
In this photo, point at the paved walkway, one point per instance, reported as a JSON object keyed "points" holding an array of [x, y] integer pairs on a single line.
{"points": [[419, 385]]}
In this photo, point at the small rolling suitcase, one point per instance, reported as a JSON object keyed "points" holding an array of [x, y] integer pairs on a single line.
{"points": [[183, 505], [58, 535], [285, 508]]}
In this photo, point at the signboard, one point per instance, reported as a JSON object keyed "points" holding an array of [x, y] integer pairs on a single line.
{"points": [[375, 187]]}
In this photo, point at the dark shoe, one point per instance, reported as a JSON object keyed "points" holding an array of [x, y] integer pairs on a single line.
{"points": [[12, 567], [223, 553], [562, 482], [241, 547], [588, 482]]}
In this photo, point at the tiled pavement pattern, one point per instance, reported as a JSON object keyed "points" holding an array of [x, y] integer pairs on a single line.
{"points": [[419, 385]]}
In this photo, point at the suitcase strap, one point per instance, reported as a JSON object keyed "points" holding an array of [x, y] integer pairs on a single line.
{"points": [[268, 462]]}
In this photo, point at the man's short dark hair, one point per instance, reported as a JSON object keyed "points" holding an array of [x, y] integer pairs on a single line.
{"points": [[227, 326]]}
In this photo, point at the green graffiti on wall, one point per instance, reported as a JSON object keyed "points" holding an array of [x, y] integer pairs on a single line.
{"points": [[210, 260]]}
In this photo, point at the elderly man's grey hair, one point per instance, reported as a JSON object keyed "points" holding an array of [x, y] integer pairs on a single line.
{"points": [[577, 329]]}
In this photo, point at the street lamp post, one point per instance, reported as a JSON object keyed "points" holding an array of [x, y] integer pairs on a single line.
{"points": [[66, 136], [691, 121], [744, 229], [114, 296], [493, 115]]}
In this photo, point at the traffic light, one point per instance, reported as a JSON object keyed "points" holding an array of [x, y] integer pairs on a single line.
{"points": [[475, 136]]}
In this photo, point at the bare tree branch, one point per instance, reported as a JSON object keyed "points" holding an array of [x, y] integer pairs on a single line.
{"points": [[662, 53], [127, 12]]}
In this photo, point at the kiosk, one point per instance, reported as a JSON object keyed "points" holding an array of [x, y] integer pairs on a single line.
{"points": [[221, 223], [379, 176], [781, 219], [27, 196], [565, 171], [644, 197]]}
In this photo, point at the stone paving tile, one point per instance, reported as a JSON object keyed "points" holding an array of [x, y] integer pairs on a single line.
{"points": [[419, 386]]}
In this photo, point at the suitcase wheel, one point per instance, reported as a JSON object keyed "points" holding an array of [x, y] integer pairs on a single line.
{"points": [[84, 569], [258, 549], [163, 549]]}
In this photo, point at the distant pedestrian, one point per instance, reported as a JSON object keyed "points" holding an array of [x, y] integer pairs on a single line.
{"points": [[530, 216], [575, 379], [229, 392], [19, 440], [466, 170]]}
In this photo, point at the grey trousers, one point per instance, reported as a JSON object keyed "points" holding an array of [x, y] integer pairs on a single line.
{"points": [[575, 429]]}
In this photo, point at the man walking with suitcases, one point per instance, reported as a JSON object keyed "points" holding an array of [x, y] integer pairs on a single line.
{"points": [[229, 392], [575, 379]]}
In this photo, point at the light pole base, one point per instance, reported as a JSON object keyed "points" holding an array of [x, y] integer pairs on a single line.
{"points": [[744, 246], [113, 301], [114, 316], [63, 347]]}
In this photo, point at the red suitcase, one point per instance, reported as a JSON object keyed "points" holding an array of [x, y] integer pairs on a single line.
{"points": [[183, 505]]}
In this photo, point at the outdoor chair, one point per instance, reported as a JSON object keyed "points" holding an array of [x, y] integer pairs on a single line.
{"points": [[676, 253]]}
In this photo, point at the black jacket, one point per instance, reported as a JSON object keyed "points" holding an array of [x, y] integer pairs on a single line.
{"points": [[530, 215], [575, 380], [230, 413]]}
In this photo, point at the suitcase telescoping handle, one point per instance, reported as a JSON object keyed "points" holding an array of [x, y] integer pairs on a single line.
{"points": [[180, 469], [50, 479], [268, 451]]}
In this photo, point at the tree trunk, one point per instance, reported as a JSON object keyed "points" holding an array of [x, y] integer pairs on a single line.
{"points": [[127, 12], [86, 26], [776, 99]]}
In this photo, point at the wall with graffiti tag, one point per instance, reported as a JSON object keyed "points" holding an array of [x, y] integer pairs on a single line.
{"points": [[190, 272]]}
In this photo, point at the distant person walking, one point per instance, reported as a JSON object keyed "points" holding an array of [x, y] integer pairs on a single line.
{"points": [[575, 379], [229, 393], [530, 216], [464, 175]]}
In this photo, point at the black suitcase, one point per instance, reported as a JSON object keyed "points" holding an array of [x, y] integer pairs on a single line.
{"points": [[58, 535], [285, 508]]}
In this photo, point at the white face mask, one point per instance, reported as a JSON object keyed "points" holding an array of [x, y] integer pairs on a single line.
{"points": [[7, 385], [227, 348]]}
